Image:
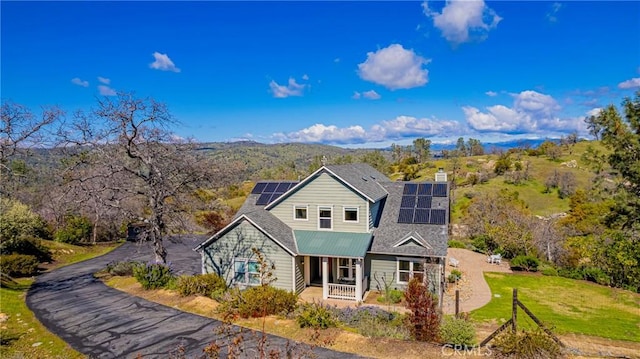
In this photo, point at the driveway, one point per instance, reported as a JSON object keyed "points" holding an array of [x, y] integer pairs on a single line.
{"points": [[103, 322]]}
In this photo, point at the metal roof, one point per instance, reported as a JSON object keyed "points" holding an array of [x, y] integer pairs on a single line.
{"points": [[332, 244]]}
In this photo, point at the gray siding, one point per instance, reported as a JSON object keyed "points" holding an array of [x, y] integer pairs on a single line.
{"points": [[219, 256], [378, 265], [299, 268], [323, 191]]}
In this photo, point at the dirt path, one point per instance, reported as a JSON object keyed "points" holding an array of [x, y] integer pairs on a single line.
{"points": [[474, 290]]}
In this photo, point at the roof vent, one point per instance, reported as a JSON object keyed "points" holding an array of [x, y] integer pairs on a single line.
{"points": [[364, 178], [372, 177]]}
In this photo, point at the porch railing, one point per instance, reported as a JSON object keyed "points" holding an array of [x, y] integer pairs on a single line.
{"points": [[346, 291]]}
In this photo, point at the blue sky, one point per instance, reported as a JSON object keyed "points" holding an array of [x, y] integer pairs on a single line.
{"points": [[354, 74]]}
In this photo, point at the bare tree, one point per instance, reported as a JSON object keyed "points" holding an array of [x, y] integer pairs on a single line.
{"points": [[126, 158]]}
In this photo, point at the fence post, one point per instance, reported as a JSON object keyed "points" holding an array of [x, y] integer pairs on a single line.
{"points": [[514, 311], [457, 303]]}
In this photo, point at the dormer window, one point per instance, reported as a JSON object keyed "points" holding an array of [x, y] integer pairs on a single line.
{"points": [[325, 218], [351, 214]]}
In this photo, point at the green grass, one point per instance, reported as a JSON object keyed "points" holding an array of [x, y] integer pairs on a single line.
{"points": [[568, 306], [21, 331]]}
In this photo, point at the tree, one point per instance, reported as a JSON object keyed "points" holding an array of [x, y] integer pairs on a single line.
{"points": [[593, 126], [461, 147], [422, 148], [137, 165], [475, 147], [376, 160], [424, 316]]}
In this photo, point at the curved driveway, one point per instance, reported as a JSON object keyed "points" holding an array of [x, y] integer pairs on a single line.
{"points": [[103, 322]]}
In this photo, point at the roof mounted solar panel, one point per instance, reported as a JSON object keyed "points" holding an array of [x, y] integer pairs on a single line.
{"points": [[408, 202], [405, 215], [421, 216], [410, 188], [263, 200], [257, 189], [440, 190], [282, 187], [424, 189], [424, 202], [271, 187], [438, 216]]}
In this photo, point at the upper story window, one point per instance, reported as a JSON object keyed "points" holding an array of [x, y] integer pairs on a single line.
{"points": [[351, 214], [325, 218], [301, 213]]}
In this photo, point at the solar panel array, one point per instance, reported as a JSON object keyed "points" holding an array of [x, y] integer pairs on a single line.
{"points": [[270, 191], [415, 206]]}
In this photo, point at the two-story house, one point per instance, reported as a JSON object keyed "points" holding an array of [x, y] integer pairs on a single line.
{"points": [[337, 228]]}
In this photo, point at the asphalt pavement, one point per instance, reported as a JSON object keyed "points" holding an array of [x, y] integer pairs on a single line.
{"points": [[102, 322]]}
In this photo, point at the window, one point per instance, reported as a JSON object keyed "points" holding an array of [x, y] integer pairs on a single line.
{"points": [[346, 269], [351, 214], [410, 268], [247, 272], [300, 213], [324, 218]]}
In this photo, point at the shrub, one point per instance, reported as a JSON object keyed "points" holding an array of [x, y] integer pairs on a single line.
{"points": [[526, 263], [457, 331], [393, 296], [18, 265], [526, 344], [596, 275], [424, 318], [209, 285], [122, 268], [28, 245], [17, 219], [550, 271], [315, 315], [374, 322], [454, 276], [456, 244], [257, 302], [152, 275], [75, 230]]}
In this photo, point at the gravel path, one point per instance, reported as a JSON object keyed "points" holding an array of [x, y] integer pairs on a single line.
{"points": [[474, 290], [103, 322]]}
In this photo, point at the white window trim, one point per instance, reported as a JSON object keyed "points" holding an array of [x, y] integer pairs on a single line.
{"points": [[411, 260], [344, 217], [295, 207], [351, 268], [324, 208], [246, 274]]}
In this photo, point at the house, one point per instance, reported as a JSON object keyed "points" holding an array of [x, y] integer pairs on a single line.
{"points": [[344, 227]]}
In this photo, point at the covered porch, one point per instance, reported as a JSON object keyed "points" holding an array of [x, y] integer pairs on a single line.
{"points": [[335, 262]]}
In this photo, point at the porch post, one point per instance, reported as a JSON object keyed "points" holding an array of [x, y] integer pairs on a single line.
{"points": [[359, 279], [307, 270], [325, 278]]}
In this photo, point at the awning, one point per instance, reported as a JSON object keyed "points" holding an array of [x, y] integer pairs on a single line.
{"points": [[332, 244]]}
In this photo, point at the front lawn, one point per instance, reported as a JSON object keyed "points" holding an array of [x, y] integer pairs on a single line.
{"points": [[569, 306]]}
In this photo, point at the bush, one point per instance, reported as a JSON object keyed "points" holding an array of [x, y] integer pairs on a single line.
{"points": [[526, 263], [27, 245], [526, 344], [18, 265], [571, 273], [393, 296], [457, 331], [76, 230], [257, 302], [315, 315], [374, 322], [456, 244], [455, 276], [122, 268], [209, 285], [424, 318], [17, 219], [153, 275], [550, 271], [596, 275]]}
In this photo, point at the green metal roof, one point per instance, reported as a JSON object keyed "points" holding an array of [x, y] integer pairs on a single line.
{"points": [[332, 244]]}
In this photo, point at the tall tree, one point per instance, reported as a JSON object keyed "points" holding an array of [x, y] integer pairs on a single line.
{"points": [[474, 147], [422, 148], [461, 147]]}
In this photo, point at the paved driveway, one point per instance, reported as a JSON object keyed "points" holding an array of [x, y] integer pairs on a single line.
{"points": [[102, 322]]}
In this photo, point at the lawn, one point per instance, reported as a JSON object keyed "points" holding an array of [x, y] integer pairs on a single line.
{"points": [[568, 306], [22, 335]]}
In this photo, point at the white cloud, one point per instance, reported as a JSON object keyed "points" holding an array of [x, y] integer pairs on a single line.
{"points": [[163, 63], [356, 95], [79, 82], [291, 89], [491, 93], [104, 80], [463, 20], [395, 68], [106, 90], [531, 113], [594, 111], [371, 95], [396, 129], [629, 84], [552, 15], [305, 77]]}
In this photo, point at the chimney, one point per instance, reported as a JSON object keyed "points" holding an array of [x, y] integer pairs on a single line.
{"points": [[441, 175]]}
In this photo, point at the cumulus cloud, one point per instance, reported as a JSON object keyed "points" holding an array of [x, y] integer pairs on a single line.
{"points": [[531, 113], [79, 82], [594, 111], [491, 93], [395, 68], [104, 80], [552, 15], [106, 90], [398, 128], [291, 89], [629, 84], [463, 20], [163, 63]]}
